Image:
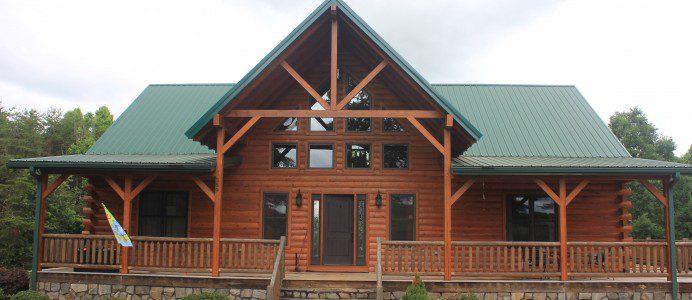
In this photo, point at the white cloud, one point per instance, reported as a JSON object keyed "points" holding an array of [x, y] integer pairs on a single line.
{"points": [[89, 53]]}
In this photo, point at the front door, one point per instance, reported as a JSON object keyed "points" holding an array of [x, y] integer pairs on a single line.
{"points": [[338, 230]]}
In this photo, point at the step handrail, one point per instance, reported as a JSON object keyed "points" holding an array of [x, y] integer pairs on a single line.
{"points": [[274, 287]]}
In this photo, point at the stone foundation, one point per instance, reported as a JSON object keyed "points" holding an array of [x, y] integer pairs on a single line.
{"points": [[70, 291]]}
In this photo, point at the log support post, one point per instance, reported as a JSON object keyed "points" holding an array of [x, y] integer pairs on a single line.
{"points": [[562, 199], [449, 122], [43, 190], [218, 195]]}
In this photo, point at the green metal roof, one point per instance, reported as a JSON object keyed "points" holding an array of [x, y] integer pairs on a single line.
{"points": [[379, 41], [156, 121], [473, 165], [159, 162], [533, 120]]}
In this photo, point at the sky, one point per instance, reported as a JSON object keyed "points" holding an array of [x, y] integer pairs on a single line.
{"points": [[618, 53]]}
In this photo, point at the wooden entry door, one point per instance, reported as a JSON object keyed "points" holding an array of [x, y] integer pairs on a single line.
{"points": [[338, 230]]}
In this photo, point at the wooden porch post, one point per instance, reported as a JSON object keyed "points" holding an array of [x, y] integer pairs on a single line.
{"points": [[448, 196], [563, 229], [127, 214], [218, 195]]}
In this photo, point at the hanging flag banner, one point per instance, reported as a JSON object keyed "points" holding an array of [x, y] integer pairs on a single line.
{"points": [[118, 230]]}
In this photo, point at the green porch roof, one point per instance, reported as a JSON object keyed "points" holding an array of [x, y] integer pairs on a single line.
{"points": [[530, 129], [460, 118]]}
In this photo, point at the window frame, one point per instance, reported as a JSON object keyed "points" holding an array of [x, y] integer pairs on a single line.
{"points": [[346, 154], [274, 144], [262, 218], [333, 156], [531, 198], [391, 215], [165, 191], [408, 156]]}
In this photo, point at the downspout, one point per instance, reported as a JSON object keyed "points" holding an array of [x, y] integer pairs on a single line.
{"points": [[36, 173], [671, 224]]}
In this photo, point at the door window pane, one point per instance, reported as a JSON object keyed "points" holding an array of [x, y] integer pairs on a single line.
{"points": [[360, 229], [163, 213], [391, 125], [360, 101], [531, 218], [274, 215], [358, 156], [315, 246], [402, 217], [321, 156], [395, 156], [321, 124], [289, 124], [285, 155]]}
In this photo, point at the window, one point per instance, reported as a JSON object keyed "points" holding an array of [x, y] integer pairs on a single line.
{"points": [[402, 217], [289, 124], [360, 101], [391, 125], [285, 155], [358, 156], [395, 156], [321, 124], [163, 213], [315, 232], [321, 156], [531, 218], [274, 212]]}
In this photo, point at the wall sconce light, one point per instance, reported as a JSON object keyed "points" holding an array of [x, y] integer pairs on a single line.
{"points": [[299, 199], [378, 199]]}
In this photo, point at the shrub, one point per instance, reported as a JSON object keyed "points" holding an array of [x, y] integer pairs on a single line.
{"points": [[416, 291], [206, 296], [13, 280], [29, 295], [2, 294], [468, 296]]}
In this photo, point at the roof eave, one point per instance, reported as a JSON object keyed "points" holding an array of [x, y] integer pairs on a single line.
{"points": [[642, 171], [161, 167]]}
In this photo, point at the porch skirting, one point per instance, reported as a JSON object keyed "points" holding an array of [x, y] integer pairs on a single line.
{"points": [[72, 285]]}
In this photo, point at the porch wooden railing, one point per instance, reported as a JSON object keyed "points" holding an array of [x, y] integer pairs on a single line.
{"points": [[248, 255], [279, 272], [171, 254], [532, 259], [406, 257], [80, 251], [684, 258]]}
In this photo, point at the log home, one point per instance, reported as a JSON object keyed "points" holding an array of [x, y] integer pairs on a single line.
{"points": [[334, 155]]}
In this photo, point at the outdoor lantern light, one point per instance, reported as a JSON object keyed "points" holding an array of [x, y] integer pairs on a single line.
{"points": [[378, 199], [299, 199]]}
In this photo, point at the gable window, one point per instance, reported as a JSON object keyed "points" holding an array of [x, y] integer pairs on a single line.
{"points": [[289, 124], [163, 213], [321, 124], [285, 155], [402, 217], [395, 156], [321, 156], [274, 215], [531, 218], [391, 125], [361, 101], [358, 156]]}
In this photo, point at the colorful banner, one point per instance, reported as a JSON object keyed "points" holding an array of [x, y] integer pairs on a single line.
{"points": [[118, 230]]}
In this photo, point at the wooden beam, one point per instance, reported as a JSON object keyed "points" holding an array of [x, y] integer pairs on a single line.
{"points": [[141, 186], [576, 191], [333, 63], [362, 84], [50, 189], [563, 228], [205, 188], [427, 134], [548, 191], [114, 185], [298, 113], [218, 199], [305, 85], [239, 133], [447, 202], [654, 191], [467, 185], [127, 213]]}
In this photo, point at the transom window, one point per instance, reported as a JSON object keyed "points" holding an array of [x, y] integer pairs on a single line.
{"points": [[361, 101], [358, 156], [395, 156], [163, 213], [274, 215], [285, 155], [402, 217], [531, 218], [321, 156], [321, 124]]}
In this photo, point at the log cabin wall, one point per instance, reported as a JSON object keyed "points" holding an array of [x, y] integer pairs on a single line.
{"points": [[594, 215]]}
